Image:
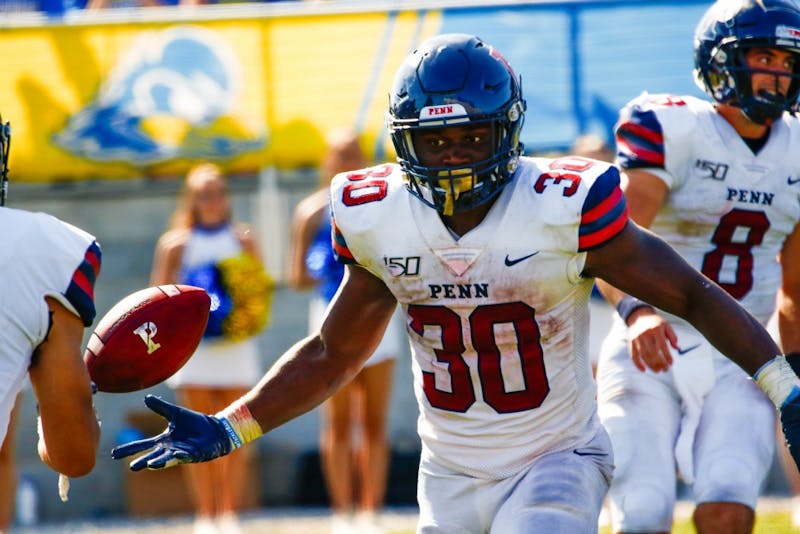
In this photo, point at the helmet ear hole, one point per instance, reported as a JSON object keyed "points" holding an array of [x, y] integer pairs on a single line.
{"points": [[456, 80]]}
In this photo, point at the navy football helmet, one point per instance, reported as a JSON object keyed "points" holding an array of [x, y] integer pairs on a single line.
{"points": [[726, 31], [456, 79], [5, 149]]}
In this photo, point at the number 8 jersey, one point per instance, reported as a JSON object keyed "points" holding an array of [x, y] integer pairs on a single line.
{"points": [[498, 318], [728, 211]]}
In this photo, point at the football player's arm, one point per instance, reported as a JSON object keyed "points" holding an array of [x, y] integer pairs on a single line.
{"points": [[69, 433], [304, 376], [788, 300], [317, 366], [649, 334]]}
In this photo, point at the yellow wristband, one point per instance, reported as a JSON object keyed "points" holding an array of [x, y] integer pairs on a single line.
{"points": [[240, 424]]}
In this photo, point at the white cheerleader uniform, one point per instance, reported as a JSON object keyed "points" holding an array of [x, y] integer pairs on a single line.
{"points": [[216, 362]]}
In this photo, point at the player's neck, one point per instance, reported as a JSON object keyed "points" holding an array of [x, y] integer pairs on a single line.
{"points": [[746, 128], [462, 222]]}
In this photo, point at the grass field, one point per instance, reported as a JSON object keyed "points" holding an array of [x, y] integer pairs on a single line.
{"points": [[768, 522], [772, 520]]}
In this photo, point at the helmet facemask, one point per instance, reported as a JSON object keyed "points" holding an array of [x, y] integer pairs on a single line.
{"points": [[731, 82]]}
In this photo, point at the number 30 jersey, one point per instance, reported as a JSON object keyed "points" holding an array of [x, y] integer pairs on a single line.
{"points": [[728, 211], [498, 318]]}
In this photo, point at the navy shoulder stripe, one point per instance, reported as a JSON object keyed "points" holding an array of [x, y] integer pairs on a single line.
{"points": [[80, 292]]}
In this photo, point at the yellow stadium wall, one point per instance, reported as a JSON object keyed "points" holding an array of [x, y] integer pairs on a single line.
{"points": [[79, 95]]}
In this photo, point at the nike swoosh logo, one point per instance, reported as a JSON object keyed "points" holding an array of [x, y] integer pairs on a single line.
{"points": [[588, 453], [510, 262], [681, 352], [792, 182]]}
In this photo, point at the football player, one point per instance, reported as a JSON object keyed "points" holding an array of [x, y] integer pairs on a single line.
{"points": [[720, 182], [50, 268], [492, 257]]}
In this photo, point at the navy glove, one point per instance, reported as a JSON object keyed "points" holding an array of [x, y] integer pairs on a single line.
{"points": [[190, 437], [790, 421], [790, 412]]}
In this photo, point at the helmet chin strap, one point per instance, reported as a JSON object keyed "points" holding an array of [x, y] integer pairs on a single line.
{"points": [[758, 116], [764, 107]]}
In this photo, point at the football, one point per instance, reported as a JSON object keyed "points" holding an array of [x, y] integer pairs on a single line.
{"points": [[146, 337]]}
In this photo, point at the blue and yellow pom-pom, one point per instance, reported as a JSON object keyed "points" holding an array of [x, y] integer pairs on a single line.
{"points": [[241, 296], [250, 289]]}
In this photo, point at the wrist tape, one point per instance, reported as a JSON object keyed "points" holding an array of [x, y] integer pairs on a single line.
{"points": [[628, 304], [777, 379], [239, 424]]}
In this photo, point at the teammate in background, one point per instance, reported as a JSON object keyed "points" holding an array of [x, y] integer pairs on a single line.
{"points": [[355, 467], [201, 233], [492, 257], [48, 283], [719, 181]]}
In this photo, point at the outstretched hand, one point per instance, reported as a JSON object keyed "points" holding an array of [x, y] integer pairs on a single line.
{"points": [[190, 437]]}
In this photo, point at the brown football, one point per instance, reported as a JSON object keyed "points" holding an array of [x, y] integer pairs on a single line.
{"points": [[146, 337]]}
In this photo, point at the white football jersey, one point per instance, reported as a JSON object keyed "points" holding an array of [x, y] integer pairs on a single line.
{"points": [[497, 319], [728, 211], [39, 256]]}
